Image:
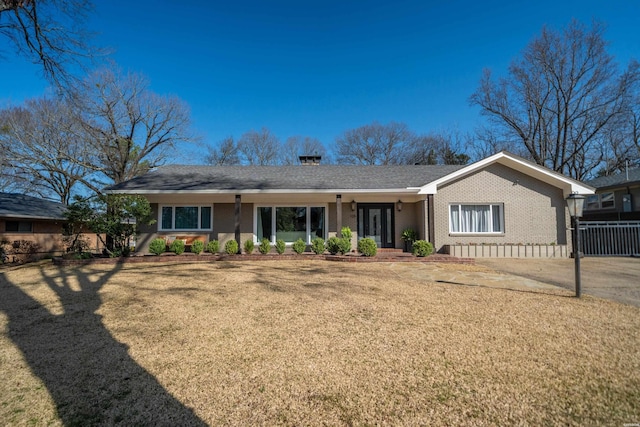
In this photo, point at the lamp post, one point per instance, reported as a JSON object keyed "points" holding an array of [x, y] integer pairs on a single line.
{"points": [[575, 203]]}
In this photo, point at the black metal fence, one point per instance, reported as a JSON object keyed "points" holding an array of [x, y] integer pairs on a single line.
{"points": [[610, 238]]}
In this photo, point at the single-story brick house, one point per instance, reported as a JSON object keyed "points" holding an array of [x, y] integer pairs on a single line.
{"points": [[617, 197], [500, 200], [30, 226]]}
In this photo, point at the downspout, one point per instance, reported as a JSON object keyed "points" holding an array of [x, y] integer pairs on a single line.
{"points": [[339, 215], [238, 215], [431, 221]]}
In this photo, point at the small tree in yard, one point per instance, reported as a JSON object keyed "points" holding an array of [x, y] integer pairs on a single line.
{"points": [[78, 215], [116, 217]]}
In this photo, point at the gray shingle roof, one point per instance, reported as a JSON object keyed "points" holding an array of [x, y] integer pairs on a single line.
{"points": [[618, 180], [274, 178], [14, 205]]}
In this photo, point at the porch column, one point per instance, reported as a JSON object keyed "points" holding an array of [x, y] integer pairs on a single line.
{"points": [[431, 222], [238, 216], [339, 215]]}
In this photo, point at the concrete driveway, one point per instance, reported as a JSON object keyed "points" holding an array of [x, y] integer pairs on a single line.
{"points": [[617, 279]]}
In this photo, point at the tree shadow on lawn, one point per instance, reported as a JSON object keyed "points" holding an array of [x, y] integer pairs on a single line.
{"points": [[88, 373]]}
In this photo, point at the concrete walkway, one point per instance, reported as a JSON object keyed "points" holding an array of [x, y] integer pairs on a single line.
{"points": [[613, 278], [459, 275]]}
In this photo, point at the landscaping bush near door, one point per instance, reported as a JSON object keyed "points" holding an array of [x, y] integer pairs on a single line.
{"points": [[367, 246], [422, 248]]}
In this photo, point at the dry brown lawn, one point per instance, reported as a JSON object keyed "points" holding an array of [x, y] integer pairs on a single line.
{"points": [[306, 343]]}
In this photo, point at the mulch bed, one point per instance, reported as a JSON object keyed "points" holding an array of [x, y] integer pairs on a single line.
{"points": [[206, 257]]}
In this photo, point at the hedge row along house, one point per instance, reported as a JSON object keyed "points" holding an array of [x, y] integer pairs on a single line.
{"points": [[502, 201]]}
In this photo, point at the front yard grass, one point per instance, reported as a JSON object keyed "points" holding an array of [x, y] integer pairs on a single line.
{"points": [[306, 343]]}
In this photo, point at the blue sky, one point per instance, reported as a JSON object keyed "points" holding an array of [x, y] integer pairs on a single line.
{"points": [[318, 68]]}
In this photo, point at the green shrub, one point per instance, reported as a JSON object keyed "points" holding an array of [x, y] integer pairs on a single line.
{"points": [[367, 247], [82, 255], [333, 245], [346, 233], [422, 248], [265, 246], [197, 247], [249, 246], [231, 247], [213, 246], [281, 246], [409, 235], [299, 246], [157, 246], [317, 245], [177, 246], [345, 245]]}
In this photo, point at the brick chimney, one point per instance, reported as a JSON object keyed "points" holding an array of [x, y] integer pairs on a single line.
{"points": [[310, 160]]}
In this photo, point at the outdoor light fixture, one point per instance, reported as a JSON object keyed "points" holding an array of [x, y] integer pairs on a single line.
{"points": [[575, 203], [353, 205], [399, 205]]}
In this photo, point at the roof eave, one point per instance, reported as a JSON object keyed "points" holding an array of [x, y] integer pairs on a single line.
{"points": [[272, 191]]}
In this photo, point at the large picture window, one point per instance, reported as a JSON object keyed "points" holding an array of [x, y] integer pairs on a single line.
{"points": [[476, 219], [290, 223], [185, 218]]}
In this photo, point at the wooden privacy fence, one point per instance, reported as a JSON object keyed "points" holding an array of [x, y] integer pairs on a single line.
{"points": [[610, 238]]}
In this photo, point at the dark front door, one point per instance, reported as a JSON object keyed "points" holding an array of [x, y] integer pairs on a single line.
{"points": [[376, 221]]}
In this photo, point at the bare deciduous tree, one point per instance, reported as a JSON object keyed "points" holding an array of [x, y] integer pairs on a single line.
{"points": [[130, 129], [43, 145], [297, 146], [47, 32], [559, 98], [374, 144], [259, 147], [225, 153]]}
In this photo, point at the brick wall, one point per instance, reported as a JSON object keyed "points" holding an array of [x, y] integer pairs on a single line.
{"points": [[534, 212]]}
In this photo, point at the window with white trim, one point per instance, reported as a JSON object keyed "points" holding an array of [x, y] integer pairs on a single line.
{"points": [[290, 223], [476, 219], [185, 218]]}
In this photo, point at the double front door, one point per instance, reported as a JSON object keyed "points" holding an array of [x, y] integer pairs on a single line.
{"points": [[376, 222]]}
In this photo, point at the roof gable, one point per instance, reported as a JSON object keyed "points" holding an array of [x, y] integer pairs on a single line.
{"points": [[568, 185]]}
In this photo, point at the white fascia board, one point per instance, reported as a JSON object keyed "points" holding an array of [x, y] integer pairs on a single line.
{"points": [[283, 191], [569, 185]]}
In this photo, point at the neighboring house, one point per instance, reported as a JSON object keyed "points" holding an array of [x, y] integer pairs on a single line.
{"points": [[502, 199], [30, 226], [617, 197]]}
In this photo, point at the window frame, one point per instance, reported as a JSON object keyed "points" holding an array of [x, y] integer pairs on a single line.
{"points": [[173, 216], [18, 223], [595, 202], [274, 207], [500, 206]]}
